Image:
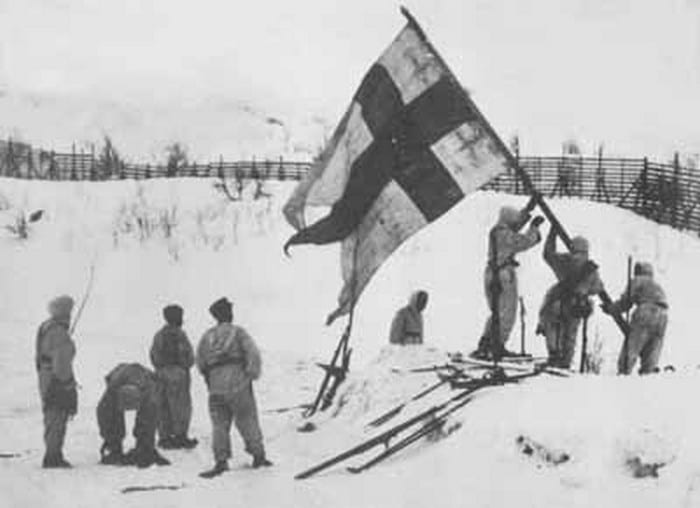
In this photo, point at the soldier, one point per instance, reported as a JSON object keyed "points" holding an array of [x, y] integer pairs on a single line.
{"points": [[407, 326], [130, 386], [55, 351], [567, 302], [500, 278], [648, 324], [230, 361], [172, 357]]}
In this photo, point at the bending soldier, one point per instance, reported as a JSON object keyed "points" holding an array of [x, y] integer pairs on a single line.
{"points": [[407, 326], [172, 357], [648, 324], [230, 361], [55, 351], [500, 277], [567, 302], [130, 386]]}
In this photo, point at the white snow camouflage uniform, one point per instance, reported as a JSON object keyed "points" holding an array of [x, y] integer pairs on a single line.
{"points": [[648, 324]]}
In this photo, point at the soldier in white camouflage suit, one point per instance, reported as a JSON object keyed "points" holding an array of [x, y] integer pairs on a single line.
{"points": [[500, 277], [567, 302], [229, 360], [648, 324], [55, 351]]}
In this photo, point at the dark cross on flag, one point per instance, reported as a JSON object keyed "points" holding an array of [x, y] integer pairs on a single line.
{"points": [[410, 146]]}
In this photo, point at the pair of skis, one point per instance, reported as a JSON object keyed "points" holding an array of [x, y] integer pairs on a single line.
{"points": [[433, 418]]}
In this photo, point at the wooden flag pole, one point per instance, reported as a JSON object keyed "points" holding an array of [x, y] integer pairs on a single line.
{"points": [[522, 174], [324, 396]]}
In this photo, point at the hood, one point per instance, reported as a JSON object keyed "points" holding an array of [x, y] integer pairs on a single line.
{"points": [[509, 216], [643, 268], [61, 307], [416, 296]]}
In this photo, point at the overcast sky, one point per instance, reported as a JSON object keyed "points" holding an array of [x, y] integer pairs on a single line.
{"points": [[622, 72]]}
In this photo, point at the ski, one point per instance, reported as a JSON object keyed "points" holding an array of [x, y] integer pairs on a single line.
{"points": [[386, 436], [437, 422], [146, 488], [397, 409]]}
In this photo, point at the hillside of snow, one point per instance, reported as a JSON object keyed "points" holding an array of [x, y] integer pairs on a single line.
{"points": [[157, 242]]}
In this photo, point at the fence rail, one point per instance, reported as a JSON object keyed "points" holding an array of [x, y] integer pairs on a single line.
{"points": [[665, 193]]}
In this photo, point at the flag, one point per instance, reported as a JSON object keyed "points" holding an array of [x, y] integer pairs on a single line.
{"points": [[410, 146]]}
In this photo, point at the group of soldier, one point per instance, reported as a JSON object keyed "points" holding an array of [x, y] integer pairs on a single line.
{"points": [[568, 302], [565, 306], [227, 357]]}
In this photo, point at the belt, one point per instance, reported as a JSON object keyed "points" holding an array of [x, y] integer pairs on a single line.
{"points": [[505, 264], [662, 305]]}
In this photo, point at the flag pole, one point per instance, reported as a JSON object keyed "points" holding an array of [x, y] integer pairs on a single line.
{"points": [[324, 396], [522, 174]]}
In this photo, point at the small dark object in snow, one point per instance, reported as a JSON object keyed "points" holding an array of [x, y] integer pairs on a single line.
{"points": [[669, 368], [9, 455], [307, 427], [146, 488], [35, 216], [641, 470], [534, 449]]}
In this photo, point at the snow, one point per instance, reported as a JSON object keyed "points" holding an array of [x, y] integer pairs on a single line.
{"points": [[213, 247]]}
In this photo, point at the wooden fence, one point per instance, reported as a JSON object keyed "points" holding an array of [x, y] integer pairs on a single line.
{"points": [[665, 193]]}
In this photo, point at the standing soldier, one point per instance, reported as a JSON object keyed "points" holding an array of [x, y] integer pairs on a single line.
{"points": [[55, 351], [567, 302], [172, 357], [500, 277], [230, 361], [407, 326], [649, 319], [130, 386]]}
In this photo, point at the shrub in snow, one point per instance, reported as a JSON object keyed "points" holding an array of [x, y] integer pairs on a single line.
{"points": [[20, 226]]}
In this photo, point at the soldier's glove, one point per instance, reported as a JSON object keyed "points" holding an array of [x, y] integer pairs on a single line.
{"points": [[537, 221]]}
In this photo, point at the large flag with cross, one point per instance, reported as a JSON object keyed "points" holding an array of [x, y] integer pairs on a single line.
{"points": [[411, 145]]}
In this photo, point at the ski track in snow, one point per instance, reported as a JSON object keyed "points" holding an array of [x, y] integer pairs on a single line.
{"points": [[216, 248]]}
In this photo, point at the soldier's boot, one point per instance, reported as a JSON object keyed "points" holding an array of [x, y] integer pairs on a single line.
{"points": [[146, 458], [112, 455], [220, 467], [261, 461], [55, 462], [182, 441], [167, 443]]}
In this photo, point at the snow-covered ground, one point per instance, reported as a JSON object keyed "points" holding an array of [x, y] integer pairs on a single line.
{"points": [[152, 243]]}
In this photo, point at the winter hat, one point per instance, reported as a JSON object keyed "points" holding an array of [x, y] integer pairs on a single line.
{"points": [[508, 216], [128, 397], [643, 268], [61, 306], [222, 310], [173, 314], [579, 244]]}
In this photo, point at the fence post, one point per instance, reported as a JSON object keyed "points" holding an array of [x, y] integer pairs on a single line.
{"points": [[122, 170], [676, 190], [280, 171], [516, 150], [644, 187], [73, 174], [93, 163], [220, 169]]}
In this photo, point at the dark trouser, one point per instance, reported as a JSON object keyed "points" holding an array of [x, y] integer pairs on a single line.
{"points": [[174, 401], [55, 423], [561, 340], [110, 420], [239, 408]]}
